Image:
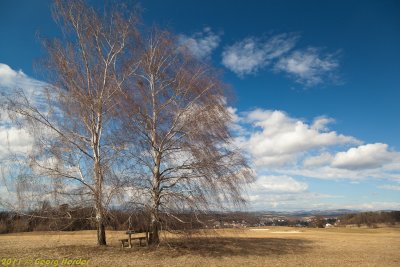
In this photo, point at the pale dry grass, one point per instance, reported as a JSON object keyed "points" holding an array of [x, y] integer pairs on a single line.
{"points": [[231, 247]]}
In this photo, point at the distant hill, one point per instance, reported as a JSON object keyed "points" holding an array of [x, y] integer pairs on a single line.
{"points": [[371, 218]]}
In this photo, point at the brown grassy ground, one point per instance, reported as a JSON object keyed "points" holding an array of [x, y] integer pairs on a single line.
{"points": [[278, 246]]}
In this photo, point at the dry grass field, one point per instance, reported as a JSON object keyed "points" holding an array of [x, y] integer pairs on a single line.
{"points": [[271, 246]]}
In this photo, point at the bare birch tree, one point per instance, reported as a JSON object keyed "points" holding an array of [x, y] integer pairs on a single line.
{"points": [[177, 123], [73, 130]]}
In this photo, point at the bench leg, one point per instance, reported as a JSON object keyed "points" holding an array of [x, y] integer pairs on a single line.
{"points": [[123, 245]]}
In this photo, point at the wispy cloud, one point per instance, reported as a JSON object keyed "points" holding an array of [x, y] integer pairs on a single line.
{"points": [[319, 160], [251, 54], [290, 201], [201, 44], [244, 57], [276, 191], [309, 67], [390, 187], [279, 184]]}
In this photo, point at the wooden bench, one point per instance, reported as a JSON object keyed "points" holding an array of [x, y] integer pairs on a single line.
{"points": [[127, 242]]}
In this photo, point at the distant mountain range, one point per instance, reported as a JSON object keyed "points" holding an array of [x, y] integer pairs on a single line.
{"points": [[305, 213]]}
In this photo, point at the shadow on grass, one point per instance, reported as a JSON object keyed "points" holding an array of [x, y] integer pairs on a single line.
{"points": [[198, 246], [225, 246]]}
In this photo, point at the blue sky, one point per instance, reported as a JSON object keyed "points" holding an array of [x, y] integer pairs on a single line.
{"points": [[316, 83]]}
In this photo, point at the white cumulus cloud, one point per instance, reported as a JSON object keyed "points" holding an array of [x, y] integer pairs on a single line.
{"points": [[8, 75], [11, 79], [13, 139], [279, 144], [278, 139], [369, 156], [287, 153]]}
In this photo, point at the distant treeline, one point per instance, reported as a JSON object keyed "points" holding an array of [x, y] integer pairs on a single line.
{"points": [[65, 218], [371, 218]]}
